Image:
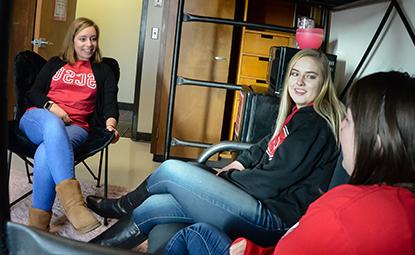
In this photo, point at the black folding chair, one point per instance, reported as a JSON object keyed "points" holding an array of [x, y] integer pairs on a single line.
{"points": [[27, 65]]}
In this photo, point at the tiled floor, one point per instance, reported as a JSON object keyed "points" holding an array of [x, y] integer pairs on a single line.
{"points": [[130, 162]]}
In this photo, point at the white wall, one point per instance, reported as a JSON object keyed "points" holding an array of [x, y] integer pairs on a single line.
{"points": [[119, 22], [352, 29], [149, 70]]}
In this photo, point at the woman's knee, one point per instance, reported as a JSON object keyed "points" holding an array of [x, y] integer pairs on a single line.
{"points": [[169, 169], [54, 124]]}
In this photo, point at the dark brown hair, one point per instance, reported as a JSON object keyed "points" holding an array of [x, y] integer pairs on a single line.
{"points": [[68, 51], [383, 110]]}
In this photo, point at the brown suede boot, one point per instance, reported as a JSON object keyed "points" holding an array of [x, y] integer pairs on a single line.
{"points": [[39, 219], [70, 196]]}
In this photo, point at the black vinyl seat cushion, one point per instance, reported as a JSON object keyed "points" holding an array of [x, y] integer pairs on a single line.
{"points": [[18, 142]]}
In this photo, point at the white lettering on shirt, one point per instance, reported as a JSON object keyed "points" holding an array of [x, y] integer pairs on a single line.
{"points": [[71, 78]]}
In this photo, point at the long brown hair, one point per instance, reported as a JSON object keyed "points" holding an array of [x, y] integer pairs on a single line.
{"points": [[383, 110], [68, 51], [326, 104]]}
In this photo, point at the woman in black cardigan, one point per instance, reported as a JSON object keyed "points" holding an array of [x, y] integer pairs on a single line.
{"points": [[71, 94]]}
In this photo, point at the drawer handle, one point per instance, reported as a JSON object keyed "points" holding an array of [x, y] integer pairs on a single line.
{"points": [[220, 58], [263, 59], [261, 81], [267, 36]]}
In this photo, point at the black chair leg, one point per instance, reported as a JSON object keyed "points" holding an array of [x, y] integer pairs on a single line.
{"points": [[105, 180], [9, 165], [90, 171], [100, 168], [29, 180]]}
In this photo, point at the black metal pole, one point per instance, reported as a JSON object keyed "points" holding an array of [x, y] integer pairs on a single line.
{"points": [[369, 48], [325, 23], [404, 20], [5, 10], [210, 84], [176, 53], [187, 17]]}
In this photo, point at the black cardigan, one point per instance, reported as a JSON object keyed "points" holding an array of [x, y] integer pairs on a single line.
{"points": [[300, 170], [106, 104]]}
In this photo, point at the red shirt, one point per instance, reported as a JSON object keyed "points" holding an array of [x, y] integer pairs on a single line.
{"points": [[73, 88], [376, 219]]}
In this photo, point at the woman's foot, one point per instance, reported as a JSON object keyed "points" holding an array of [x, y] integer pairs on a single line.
{"points": [[108, 208], [39, 219], [123, 234], [117, 208], [70, 196]]}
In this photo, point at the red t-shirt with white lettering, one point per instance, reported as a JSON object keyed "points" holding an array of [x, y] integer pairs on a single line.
{"points": [[74, 88]]}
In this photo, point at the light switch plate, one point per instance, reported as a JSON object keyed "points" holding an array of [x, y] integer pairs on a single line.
{"points": [[155, 33], [158, 3]]}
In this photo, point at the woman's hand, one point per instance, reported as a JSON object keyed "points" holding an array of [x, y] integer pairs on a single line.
{"points": [[117, 135], [58, 111], [111, 124], [234, 165], [238, 248]]}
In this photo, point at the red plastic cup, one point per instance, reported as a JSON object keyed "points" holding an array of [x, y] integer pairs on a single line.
{"points": [[309, 38]]}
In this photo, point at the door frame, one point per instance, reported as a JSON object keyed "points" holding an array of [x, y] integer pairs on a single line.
{"points": [[135, 135]]}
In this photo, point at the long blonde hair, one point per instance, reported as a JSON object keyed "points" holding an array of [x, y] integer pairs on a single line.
{"points": [[326, 104], [68, 51]]}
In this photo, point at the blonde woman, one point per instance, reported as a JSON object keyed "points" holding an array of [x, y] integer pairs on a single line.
{"points": [[267, 189], [375, 212]]}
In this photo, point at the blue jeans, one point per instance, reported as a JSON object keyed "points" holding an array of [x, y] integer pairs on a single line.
{"points": [[199, 239], [54, 157], [185, 193]]}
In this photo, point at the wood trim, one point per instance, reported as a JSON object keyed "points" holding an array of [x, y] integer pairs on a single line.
{"points": [[20, 37], [139, 69], [163, 68]]}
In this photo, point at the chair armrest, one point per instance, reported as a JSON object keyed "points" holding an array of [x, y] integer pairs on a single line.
{"points": [[222, 146], [98, 139], [22, 239]]}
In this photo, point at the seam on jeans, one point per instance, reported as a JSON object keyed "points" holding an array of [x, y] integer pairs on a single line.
{"points": [[176, 236], [281, 228], [204, 241], [171, 243], [165, 217]]}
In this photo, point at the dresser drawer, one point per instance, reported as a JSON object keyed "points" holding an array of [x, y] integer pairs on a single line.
{"points": [[260, 43], [254, 66]]}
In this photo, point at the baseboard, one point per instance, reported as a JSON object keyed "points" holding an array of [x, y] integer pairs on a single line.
{"points": [[142, 137], [125, 106]]}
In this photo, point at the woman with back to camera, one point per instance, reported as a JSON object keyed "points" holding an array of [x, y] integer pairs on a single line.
{"points": [[72, 94], [266, 189], [375, 214]]}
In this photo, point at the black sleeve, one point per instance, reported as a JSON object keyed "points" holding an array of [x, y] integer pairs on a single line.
{"points": [[110, 103], [252, 156], [39, 90]]}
